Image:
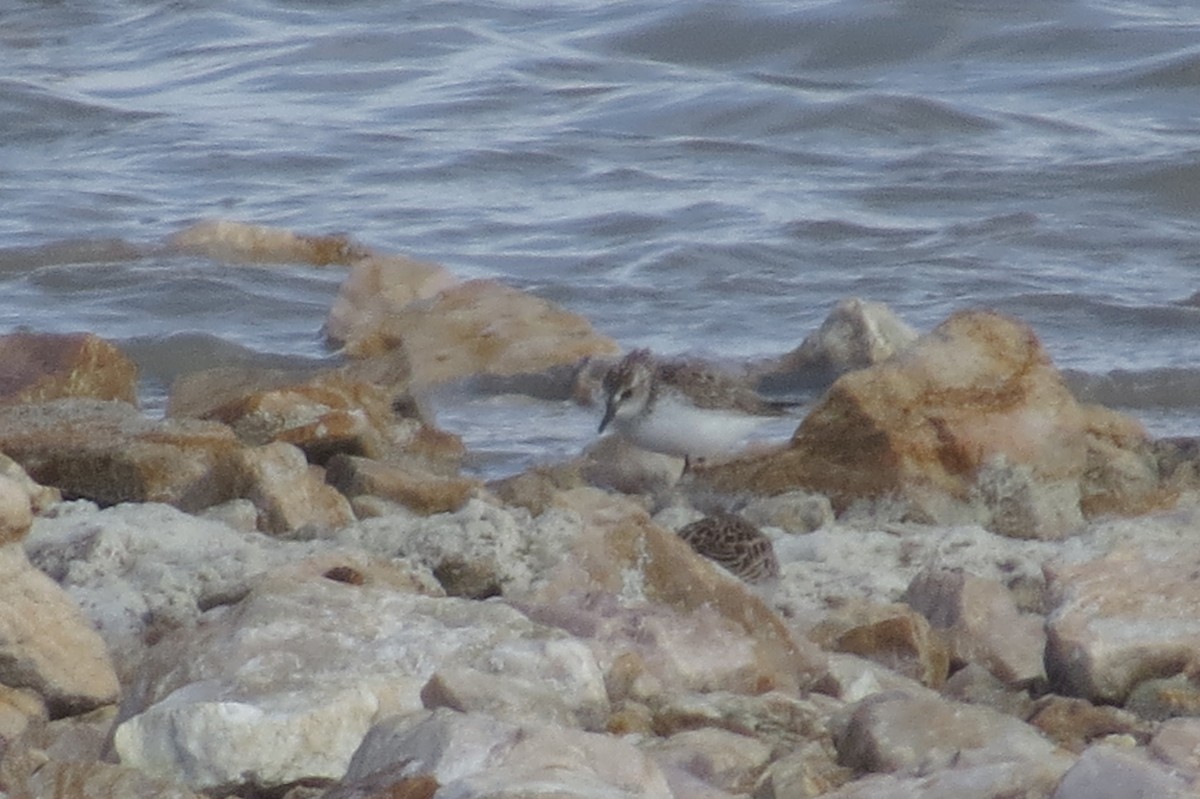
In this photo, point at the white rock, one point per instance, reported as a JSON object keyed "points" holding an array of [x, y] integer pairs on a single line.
{"points": [[1104, 772], [284, 685], [134, 567], [516, 548], [476, 756]]}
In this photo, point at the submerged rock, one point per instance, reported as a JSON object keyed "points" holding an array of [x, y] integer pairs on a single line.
{"points": [[37, 367], [485, 327]]}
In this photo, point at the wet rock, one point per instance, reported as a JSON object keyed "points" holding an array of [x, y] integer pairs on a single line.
{"points": [[238, 242], [893, 635], [977, 400], [471, 755], [1105, 772], [284, 685], [46, 644], [856, 334], [1126, 617], [416, 489], [484, 327], [719, 758], [919, 735], [37, 367], [979, 620], [109, 453], [376, 288], [325, 414], [291, 495]]}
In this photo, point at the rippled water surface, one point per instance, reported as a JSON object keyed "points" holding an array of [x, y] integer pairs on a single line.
{"points": [[694, 177]]}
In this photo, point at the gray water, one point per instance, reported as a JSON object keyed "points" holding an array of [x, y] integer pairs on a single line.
{"points": [[695, 177]]}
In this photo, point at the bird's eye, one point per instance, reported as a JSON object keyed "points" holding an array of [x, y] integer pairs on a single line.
{"points": [[626, 394]]}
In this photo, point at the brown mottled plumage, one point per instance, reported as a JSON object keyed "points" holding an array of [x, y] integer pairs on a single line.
{"points": [[734, 543]]}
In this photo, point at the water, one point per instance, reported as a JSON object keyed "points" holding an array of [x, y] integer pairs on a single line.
{"points": [[694, 177]]}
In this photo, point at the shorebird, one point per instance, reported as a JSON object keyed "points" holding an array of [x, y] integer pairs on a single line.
{"points": [[681, 409], [734, 543]]}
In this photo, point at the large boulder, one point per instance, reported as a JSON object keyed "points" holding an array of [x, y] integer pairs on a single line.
{"points": [[284, 685], [485, 327], [971, 423]]}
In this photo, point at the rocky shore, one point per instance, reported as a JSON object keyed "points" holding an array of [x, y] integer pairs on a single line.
{"points": [[288, 587]]}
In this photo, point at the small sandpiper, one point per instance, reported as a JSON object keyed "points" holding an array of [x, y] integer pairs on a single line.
{"points": [[734, 543], [681, 409]]}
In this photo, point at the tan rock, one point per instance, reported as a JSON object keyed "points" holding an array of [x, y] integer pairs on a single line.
{"points": [[36, 367], [19, 709], [376, 288], [1075, 724], [852, 678], [40, 497], [351, 410], [1121, 619], [109, 453], [979, 620], [290, 494], [1122, 471], [484, 327], [414, 488], [536, 488], [892, 635], [46, 644], [921, 425], [782, 721], [238, 242], [622, 553], [15, 512]]}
